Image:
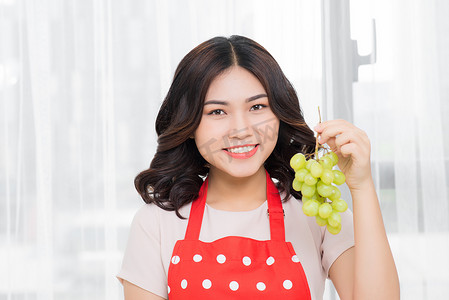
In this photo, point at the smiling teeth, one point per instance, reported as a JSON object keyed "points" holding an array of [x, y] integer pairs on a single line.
{"points": [[241, 149]]}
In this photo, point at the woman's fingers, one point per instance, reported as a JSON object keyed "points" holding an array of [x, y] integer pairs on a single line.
{"points": [[331, 128], [331, 143], [345, 139], [336, 133], [337, 143], [352, 146], [348, 149]]}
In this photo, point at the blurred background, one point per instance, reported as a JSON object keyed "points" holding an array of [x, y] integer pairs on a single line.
{"points": [[81, 82]]}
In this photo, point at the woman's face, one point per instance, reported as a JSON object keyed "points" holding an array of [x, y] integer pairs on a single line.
{"points": [[238, 131]]}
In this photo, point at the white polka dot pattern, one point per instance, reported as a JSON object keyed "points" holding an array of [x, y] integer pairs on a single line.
{"points": [[175, 259], [221, 258], [197, 258], [207, 284], [287, 284], [261, 286], [246, 261], [184, 284], [234, 285]]}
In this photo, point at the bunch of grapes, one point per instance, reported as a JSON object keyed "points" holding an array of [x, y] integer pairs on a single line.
{"points": [[317, 181]]}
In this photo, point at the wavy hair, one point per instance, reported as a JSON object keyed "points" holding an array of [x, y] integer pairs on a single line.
{"points": [[176, 171]]}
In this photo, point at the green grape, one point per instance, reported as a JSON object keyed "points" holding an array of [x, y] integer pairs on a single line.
{"points": [[326, 162], [325, 210], [339, 177], [309, 179], [308, 190], [300, 174], [327, 176], [315, 195], [336, 194], [316, 169], [334, 219], [325, 190], [334, 230], [296, 185], [318, 198], [320, 221], [340, 205], [310, 208], [333, 157], [309, 163], [305, 199], [298, 161]]}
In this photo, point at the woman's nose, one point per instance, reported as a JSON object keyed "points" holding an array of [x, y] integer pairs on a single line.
{"points": [[240, 127]]}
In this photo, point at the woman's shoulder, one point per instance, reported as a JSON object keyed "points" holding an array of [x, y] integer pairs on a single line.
{"points": [[152, 212], [152, 218]]}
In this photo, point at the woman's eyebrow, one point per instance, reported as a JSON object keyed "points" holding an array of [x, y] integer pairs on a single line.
{"points": [[221, 102], [256, 97], [216, 102]]}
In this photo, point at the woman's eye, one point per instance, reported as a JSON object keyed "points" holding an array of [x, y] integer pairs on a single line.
{"points": [[258, 106], [216, 112]]}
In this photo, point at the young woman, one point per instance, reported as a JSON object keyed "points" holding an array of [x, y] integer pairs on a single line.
{"points": [[222, 220]]}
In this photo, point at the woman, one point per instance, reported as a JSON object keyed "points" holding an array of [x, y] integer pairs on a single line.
{"points": [[215, 224]]}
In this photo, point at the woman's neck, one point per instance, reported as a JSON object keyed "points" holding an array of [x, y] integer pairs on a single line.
{"points": [[226, 192]]}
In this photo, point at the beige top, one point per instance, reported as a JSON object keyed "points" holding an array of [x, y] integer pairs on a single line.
{"points": [[154, 233]]}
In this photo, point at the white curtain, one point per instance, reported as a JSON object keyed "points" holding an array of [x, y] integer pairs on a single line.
{"points": [[80, 86], [403, 103]]}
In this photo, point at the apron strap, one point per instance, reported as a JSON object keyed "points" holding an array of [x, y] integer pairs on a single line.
{"points": [[196, 214], [275, 212]]}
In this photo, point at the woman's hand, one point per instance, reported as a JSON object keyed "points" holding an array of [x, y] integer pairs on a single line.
{"points": [[352, 147]]}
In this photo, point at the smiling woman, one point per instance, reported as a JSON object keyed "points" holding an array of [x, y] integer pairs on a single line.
{"points": [[229, 125]]}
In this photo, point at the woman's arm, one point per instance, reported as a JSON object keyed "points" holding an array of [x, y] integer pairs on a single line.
{"points": [[366, 271], [133, 292], [370, 263]]}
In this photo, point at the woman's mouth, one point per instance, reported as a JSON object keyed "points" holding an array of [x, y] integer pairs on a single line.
{"points": [[242, 152]]}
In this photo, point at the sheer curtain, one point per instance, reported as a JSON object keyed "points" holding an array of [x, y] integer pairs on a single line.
{"points": [[80, 86], [403, 103]]}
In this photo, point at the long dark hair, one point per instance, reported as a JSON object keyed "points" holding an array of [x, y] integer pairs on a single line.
{"points": [[176, 171]]}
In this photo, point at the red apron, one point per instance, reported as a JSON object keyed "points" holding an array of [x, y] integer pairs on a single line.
{"points": [[236, 267]]}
